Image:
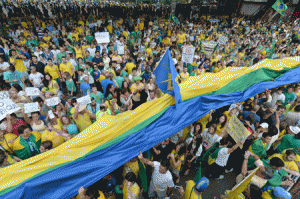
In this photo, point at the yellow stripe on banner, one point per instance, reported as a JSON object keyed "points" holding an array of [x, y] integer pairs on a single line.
{"points": [[209, 82], [110, 127]]}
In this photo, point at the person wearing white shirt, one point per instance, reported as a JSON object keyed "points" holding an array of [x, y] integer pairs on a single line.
{"points": [[278, 96], [55, 52], [161, 184], [4, 66], [217, 168], [92, 49], [36, 78], [71, 60]]}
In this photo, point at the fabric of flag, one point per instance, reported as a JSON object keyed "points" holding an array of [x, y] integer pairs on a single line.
{"points": [[114, 140], [297, 36], [280, 7], [165, 75], [174, 19]]}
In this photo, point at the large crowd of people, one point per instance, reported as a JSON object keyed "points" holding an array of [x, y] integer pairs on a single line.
{"points": [[55, 50]]}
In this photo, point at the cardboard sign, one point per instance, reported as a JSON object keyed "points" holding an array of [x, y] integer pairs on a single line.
{"points": [[222, 40], [121, 48], [52, 101], [208, 48], [102, 37], [7, 106], [31, 107], [237, 130], [32, 91], [188, 54], [84, 100]]}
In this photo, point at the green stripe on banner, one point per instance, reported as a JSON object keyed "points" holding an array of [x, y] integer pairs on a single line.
{"points": [[243, 82]]}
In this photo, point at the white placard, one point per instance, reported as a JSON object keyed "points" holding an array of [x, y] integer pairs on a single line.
{"points": [[7, 106], [84, 100], [52, 101], [50, 114], [121, 48], [32, 91], [188, 54], [102, 37], [222, 40], [31, 107], [208, 48]]}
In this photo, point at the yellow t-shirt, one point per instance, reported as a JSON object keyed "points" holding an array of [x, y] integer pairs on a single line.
{"points": [[129, 67], [19, 64], [125, 34], [47, 39], [131, 167], [5, 142], [184, 76], [116, 58], [83, 121], [78, 53], [100, 197], [134, 188], [181, 158], [53, 71], [53, 136], [189, 191], [288, 165], [181, 38], [204, 121], [219, 129], [81, 23], [133, 88], [66, 68], [109, 28], [297, 159]]}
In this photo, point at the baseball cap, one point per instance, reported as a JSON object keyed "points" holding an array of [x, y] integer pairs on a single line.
{"points": [[202, 184], [264, 125], [295, 129], [279, 192]]}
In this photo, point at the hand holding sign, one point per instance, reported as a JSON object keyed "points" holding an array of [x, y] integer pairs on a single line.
{"points": [[84, 100], [31, 107]]}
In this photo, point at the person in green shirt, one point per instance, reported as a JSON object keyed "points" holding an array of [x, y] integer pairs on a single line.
{"points": [[289, 95], [80, 64], [193, 72], [61, 54], [291, 140], [97, 95], [88, 57], [119, 79], [89, 38]]}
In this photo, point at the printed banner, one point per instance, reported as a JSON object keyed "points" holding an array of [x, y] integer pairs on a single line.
{"points": [[208, 47], [7, 106], [188, 54], [31, 107], [237, 130], [84, 100], [52, 101], [102, 37]]}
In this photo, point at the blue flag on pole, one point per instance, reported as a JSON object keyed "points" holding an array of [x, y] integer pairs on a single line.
{"points": [[165, 75]]}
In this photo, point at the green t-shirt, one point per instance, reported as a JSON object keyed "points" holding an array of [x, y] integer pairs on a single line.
{"points": [[288, 142], [90, 39], [70, 85], [60, 55], [119, 81], [124, 73], [98, 98], [90, 58], [192, 74]]}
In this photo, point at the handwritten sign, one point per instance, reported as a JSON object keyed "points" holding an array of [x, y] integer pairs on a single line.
{"points": [[52, 101], [84, 100], [188, 54], [102, 37], [222, 40], [32, 91], [121, 48], [237, 130], [7, 106], [31, 107]]}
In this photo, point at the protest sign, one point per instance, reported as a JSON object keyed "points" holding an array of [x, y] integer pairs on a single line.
{"points": [[52, 101], [208, 47], [121, 48], [222, 40], [32, 91], [188, 54], [7, 106], [31, 107], [240, 187], [237, 130], [102, 37], [84, 100]]}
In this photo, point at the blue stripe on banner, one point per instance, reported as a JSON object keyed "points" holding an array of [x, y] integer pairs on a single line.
{"points": [[65, 181]]}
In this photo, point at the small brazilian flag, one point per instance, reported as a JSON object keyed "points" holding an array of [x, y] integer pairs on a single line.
{"points": [[174, 19], [297, 36], [280, 7]]}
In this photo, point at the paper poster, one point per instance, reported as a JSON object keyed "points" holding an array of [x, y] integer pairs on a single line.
{"points": [[84, 100], [222, 40], [188, 54], [208, 48], [102, 37], [237, 130], [7, 106], [121, 48], [32, 91], [50, 114], [52, 101], [31, 107]]}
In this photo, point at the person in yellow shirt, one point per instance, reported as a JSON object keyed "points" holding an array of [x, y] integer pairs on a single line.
{"points": [[181, 37], [17, 60], [46, 38], [194, 190], [109, 28], [288, 158], [135, 89], [52, 70], [131, 189], [176, 160], [184, 75], [83, 117], [66, 67], [78, 51], [130, 66]]}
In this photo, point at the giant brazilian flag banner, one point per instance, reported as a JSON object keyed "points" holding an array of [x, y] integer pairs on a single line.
{"points": [[114, 140]]}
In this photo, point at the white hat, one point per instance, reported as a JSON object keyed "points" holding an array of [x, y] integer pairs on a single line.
{"points": [[264, 125], [295, 129]]}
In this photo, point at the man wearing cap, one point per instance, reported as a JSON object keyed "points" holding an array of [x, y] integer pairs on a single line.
{"points": [[194, 190], [276, 192], [291, 140]]}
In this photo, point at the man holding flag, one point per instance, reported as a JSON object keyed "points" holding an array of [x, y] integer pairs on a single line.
{"points": [[165, 75]]}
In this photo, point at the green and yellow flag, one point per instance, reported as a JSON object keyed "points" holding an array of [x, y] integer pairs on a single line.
{"points": [[280, 7], [174, 19]]}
